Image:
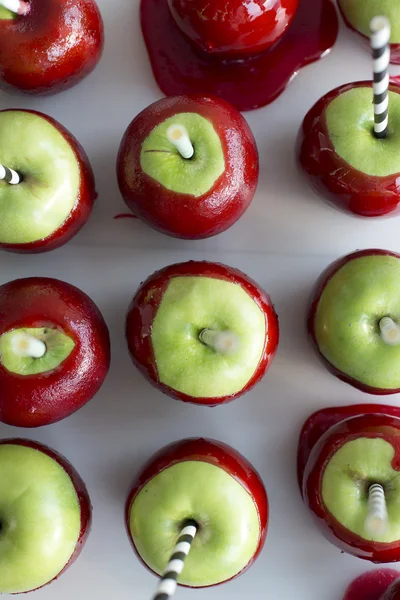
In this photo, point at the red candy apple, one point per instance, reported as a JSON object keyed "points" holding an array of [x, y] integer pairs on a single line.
{"points": [[51, 47], [344, 452], [207, 482], [233, 27], [189, 196], [54, 351], [202, 332], [379, 584]]}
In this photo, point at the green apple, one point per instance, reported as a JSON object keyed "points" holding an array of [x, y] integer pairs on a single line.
{"points": [[40, 517], [359, 14]]}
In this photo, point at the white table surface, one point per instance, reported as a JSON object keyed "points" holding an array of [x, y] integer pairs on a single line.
{"points": [[284, 240]]}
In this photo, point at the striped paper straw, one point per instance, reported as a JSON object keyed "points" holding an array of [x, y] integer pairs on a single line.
{"points": [[17, 6], [376, 522], [9, 175], [380, 38], [168, 582]]}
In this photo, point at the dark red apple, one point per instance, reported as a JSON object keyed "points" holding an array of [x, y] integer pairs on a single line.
{"points": [[335, 453], [165, 329], [54, 348], [233, 27], [379, 584], [341, 157], [51, 48], [227, 500], [188, 198]]}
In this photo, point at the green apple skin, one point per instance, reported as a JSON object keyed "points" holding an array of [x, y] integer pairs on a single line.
{"points": [[212, 484], [170, 310], [351, 455], [45, 515], [349, 300], [56, 195]]}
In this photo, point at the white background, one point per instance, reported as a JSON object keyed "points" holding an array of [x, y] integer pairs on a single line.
{"points": [[285, 239]]}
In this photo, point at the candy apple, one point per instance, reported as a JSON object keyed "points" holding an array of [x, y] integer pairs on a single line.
{"points": [[50, 45], [199, 195], [233, 27], [359, 13], [54, 351], [379, 584], [45, 515], [202, 332], [343, 453], [207, 482], [343, 159], [354, 320], [55, 193]]}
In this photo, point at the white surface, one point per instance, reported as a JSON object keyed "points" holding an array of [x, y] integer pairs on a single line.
{"points": [[285, 239]]}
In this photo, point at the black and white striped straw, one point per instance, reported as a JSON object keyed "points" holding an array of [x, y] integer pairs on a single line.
{"points": [[377, 518], [9, 175], [169, 579], [380, 44]]}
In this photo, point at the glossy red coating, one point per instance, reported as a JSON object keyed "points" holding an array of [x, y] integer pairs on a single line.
{"points": [[80, 488], [330, 175], [251, 82], [183, 215], [322, 282], [144, 306], [53, 47], [36, 400], [233, 27], [83, 205], [375, 585], [321, 437], [215, 453]]}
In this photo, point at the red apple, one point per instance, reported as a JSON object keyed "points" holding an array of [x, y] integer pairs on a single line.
{"points": [[39, 388], [324, 435], [51, 48], [379, 584], [222, 519], [172, 308], [189, 198], [233, 27]]}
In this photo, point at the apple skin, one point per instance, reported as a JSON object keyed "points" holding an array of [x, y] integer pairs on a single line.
{"points": [[82, 208], [215, 453], [37, 400], [331, 176], [321, 436], [27, 63], [322, 281], [181, 215], [252, 27], [141, 314], [80, 488], [393, 591]]}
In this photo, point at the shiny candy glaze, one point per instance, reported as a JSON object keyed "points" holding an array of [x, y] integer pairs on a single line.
{"points": [[233, 27], [331, 176], [144, 306], [251, 82], [375, 585], [83, 205], [322, 435], [215, 453], [183, 215], [80, 488], [36, 400], [322, 282], [53, 47]]}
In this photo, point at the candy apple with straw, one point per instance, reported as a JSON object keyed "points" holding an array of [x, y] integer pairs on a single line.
{"points": [[188, 166], [202, 332], [54, 351], [349, 475], [48, 45], [47, 186], [349, 147], [197, 513], [354, 320]]}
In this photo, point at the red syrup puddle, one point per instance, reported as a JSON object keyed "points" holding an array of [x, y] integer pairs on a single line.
{"points": [[179, 68], [125, 216], [371, 585]]}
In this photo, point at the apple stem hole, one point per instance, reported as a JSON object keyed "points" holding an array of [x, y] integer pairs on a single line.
{"points": [[9, 175], [376, 523], [380, 45], [178, 136], [390, 331], [28, 346], [19, 7], [222, 342], [169, 578]]}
